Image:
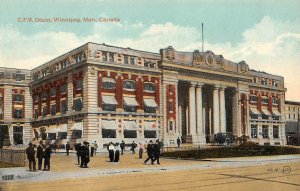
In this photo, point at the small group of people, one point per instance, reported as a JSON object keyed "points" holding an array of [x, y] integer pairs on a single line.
{"points": [[153, 151], [114, 151], [42, 152], [83, 154]]}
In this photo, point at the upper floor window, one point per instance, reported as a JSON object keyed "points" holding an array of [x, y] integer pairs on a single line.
{"points": [[18, 113], [264, 81], [275, 100], [109, 107], [275, 132], [18, 97], [79, 85], [149, 87], [170, 88], [63, 106], [147, 64], [63, 89], [126, 59], [129, 85], [265, 131], [20, 77], [77, 104], [53, 109], [36, 98], [132, 60], [254, 80], [171, 106], [111, 57], [45, 111], [253, 131], [253, 98], [44, 95], [104, 56], [36, 113], [108, 83], [53, 92], [265, 100]]}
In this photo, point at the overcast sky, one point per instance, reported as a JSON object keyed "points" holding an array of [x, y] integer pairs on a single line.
{"points": [[265, 34]]}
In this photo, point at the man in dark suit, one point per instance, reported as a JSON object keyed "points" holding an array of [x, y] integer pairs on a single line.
{"points": [[67, 148], [156, 152], [77, 148], [30, 155], [150, 152], [40, 155], [47, 156]]}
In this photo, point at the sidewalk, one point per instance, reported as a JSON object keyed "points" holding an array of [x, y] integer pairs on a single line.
{"points": [[65, 167]]}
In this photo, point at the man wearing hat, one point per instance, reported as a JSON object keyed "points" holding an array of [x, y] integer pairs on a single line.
{"points": [[47, 156], [30, 155], [40, 155]]}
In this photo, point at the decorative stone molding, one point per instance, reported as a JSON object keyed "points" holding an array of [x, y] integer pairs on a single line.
{"points": [[210, 58], [198, 58], [168, 53], [243, 67]]}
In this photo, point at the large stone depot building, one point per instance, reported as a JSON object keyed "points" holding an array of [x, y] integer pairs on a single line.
{"points": [[105, 93]]}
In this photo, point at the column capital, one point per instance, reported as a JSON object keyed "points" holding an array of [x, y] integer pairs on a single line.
{"points": [[217, 87], [200, 84], [222, 87], [193, 84]]}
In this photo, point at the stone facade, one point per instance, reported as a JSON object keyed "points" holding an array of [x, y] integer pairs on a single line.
{"points": [[105, 93], [292, 117]]}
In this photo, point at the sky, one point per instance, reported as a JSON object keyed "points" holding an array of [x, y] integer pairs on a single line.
{"points": [[265, 34]]}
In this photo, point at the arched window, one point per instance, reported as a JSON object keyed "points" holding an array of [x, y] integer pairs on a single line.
{"points": [[108, 83], [129, 85], [18, 98], [150, 87]]}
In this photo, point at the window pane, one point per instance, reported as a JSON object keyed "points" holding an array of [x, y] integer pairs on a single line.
{"points": [[108, 133]]}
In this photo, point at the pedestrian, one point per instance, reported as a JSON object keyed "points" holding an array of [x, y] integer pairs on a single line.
{"points": [[55, 147], [77, 149], [40, 155], [92, 150], [31, 157], [111, 148], [133, 146], [150, 152], [141, 150], [95, 147], [117, 150], [86, 154], [156, 152], [122, 145], [178, 142], [47, 156], [145, 146], [82, 154], [67, 148]]}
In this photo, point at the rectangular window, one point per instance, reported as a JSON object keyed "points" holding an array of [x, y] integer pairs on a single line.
{"points": [[79, 84], [63, 106], [77, 104], [129, 85], [170, 106], [64, 89], [264, 100], [62, 135], [130, 134], [171, 125], [149, 134], [53, 92], [111, 57], [53, 109], [253, 98], [108, 133], [76, 134], [129, 108], [275, 132], [18, 135], [36, 113], [149, 87], [274, 100], [104, 56], [18, 113], [108, 84], [18, 97], [132, 61], [150, 109], [263, 116], [265, 131], [253, 131], [126, 59], [51, 136], [45, 111], [254, 116], [108, 107]]}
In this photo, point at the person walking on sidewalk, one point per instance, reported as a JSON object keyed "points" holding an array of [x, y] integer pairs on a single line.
{"points": [[178, 142], [156, 152], [122, 145], [31, 157], [95, 147], [150, 152], [133, 146], [40, 155], [67, 148], [141, 150]]}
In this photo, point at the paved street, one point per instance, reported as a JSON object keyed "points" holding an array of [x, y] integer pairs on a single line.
{"points": [[247, 173]]}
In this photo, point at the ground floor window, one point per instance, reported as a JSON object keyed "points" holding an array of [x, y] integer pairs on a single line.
{"points": [[76, 134], [18, 135], [130, 134], [265, 131], [62, 135], [51, 136], [275, 132], [108, 133], [149, 134], [253, 131]]}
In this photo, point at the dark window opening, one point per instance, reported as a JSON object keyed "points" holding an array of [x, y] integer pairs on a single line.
{"points": [[130, 134], [149, 134], [108, 133]]}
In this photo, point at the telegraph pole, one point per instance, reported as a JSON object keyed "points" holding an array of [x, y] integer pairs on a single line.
{"points": [[202, 39]]}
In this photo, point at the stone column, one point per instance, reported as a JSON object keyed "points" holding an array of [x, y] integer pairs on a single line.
{"points": [[200, 128], [216, 111], [222, 110], [192, 109]]}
